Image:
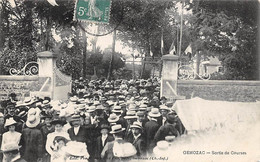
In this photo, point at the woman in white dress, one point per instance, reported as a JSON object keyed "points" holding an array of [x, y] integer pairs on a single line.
{"points": [[11, 136], [50, 143]]}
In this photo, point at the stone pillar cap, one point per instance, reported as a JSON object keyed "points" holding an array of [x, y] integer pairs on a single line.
{"points": [[170, 57], [46, 54]]}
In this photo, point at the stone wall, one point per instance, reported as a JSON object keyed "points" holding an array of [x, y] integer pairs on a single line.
{"points": [[21, 85], [244, 91]]}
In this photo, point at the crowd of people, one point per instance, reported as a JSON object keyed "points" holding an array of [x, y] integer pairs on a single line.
{"points": [[101, 121]]}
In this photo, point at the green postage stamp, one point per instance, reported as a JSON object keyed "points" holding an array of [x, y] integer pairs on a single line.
{"points": [[92, 10]]}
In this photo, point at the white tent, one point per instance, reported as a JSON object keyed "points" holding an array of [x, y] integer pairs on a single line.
{"points": [[217, 131]]}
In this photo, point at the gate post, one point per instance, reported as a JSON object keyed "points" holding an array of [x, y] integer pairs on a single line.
{"points": [[170, 77]]}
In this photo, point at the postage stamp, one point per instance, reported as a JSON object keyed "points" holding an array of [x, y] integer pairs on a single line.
{"points": [[92, 10]]}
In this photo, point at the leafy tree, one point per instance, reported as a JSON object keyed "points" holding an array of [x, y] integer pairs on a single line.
{"points": [[227, 30]]}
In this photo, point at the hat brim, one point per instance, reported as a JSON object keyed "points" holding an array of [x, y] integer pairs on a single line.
{"points": [[135, 126], [34, 124], [117, 111], [118, 131], [90, 111], [154, 115], [113, 120], [10, 124], [58, 122], [131, 117], [105, 128]]}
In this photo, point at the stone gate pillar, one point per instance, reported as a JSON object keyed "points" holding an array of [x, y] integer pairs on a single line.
{"points": [[169, 77], [58, 85]]}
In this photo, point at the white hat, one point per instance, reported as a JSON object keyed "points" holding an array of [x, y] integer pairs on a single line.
{"points": [[9, 122], [164, 107], [91, 109], [161, 149], [113, 118], [131, 115], [117, 109], [33, 118], [76, 149], [1, 115], [136, 125], [154, 113], [117, 129]]}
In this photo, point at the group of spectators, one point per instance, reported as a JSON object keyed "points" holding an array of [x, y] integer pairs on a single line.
{"points": [[102, 120]]}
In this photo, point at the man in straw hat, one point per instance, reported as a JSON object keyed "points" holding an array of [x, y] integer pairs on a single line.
{"points": [[139, 142], [102, 141], [118, 150], [11, 152], [164, 110], [130, 118], [79, 133], [31, 139], [151, 127]]}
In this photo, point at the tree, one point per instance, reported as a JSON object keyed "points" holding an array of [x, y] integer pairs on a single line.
{"points": [[227, 30]]}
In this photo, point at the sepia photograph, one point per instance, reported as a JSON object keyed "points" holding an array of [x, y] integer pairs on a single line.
{"points": [[129, 80]]}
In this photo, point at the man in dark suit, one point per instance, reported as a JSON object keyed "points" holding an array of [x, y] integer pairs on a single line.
{"points": [[168, 129], [150, 128], [102, 141], [139, 142], [80, 134]]}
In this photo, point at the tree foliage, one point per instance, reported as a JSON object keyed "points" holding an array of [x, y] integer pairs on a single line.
{"points": [[227, 30]]}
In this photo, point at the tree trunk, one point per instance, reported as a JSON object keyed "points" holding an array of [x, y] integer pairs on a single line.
{"points": [[48, 30], [112, 56], [84, 53]]}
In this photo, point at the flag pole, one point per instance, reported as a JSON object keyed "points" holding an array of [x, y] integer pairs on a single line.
{"points": [[181, 29]]}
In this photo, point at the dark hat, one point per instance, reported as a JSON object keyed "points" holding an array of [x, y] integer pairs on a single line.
{"points": [[104, 126], [171, 118], [60, 138], [58, 121]]}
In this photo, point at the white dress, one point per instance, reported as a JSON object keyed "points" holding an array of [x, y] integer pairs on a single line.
{"points": [[49, 143], [10, 137]]}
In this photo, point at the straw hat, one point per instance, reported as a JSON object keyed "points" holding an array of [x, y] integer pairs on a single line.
{"points": [[136, 125], [143, 107], [1, 115], [33, 117], [130, 115], [164, 107], [161, 148], [9, 122], [132, 107], [154, 113], [10, 147], [113, 118], [76, 149], [117, 129], [96, 103], [75, 117], [91, 109], [117, 109]]}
